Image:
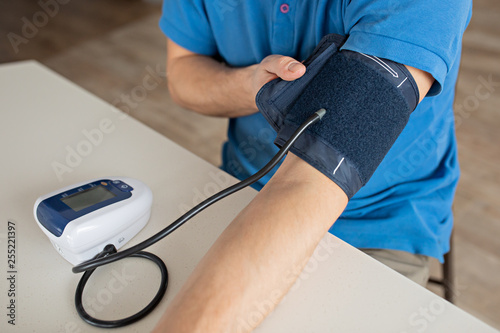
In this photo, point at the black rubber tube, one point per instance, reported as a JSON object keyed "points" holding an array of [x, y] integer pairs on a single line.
{"points": [[109, 254]]}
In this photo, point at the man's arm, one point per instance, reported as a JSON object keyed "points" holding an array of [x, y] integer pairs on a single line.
{"points": [[202, 84], [423, 79], [268, 241], [252, 259]]}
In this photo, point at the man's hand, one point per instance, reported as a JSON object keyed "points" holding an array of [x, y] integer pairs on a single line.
{"points": [[200, 83], [273, 67]]}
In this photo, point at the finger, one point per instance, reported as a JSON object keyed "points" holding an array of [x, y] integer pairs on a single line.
{"points": [[284, 67]]}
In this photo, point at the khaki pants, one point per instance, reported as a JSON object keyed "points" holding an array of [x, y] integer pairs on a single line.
{"points": [[413, 266]]}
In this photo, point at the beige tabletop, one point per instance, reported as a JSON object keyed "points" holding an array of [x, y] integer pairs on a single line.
{"points": [[55, 134]]}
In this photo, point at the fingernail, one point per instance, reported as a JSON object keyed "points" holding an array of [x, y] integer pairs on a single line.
{"points": [[294, 66]]}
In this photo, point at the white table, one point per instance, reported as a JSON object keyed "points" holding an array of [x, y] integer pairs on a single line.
{"points": [[55, 134]]}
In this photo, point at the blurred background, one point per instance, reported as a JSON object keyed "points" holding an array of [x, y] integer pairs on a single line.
{"points": [[109, 47]]}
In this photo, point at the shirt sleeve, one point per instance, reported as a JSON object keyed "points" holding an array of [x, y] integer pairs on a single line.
{"points": [[425, 34], [186, 23]]}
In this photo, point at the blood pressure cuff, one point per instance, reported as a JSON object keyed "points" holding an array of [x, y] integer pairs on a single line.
{"points": [[368, 102]]}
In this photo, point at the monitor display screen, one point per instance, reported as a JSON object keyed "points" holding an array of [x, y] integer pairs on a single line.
{"points": [[87, 198]]}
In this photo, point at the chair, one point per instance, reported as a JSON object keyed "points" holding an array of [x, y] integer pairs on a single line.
{"points": [[447, 282]]}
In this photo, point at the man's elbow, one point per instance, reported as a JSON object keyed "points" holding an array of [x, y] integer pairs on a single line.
{"points": [[175, 95], [178, 94]]}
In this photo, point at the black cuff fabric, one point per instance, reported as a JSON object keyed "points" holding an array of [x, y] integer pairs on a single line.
{"points": [[368, 102]]}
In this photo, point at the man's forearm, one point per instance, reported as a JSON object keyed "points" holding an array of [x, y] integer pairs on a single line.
{"points": [[252, 260], [204, 85], [200, 83]]}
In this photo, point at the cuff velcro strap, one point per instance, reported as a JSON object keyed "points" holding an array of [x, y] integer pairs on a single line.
{"points": [[368, 102]]}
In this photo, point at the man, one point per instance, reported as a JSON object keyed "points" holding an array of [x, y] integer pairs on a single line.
{"points": [[402, 216]]}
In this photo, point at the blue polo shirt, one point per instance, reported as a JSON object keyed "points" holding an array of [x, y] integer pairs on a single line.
{"points": [[406, 205]]}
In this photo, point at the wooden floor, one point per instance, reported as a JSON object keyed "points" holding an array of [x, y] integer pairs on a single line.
{"points": [[109, 47]]}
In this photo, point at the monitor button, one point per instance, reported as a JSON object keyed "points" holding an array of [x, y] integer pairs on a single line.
{"points": [[122, 186]]}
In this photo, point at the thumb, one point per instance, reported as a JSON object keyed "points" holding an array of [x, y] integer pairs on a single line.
{"points": [[287, 68]]}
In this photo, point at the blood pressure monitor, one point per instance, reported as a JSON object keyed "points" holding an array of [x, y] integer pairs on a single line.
{"points": [[92, 220], [80, 220]]}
